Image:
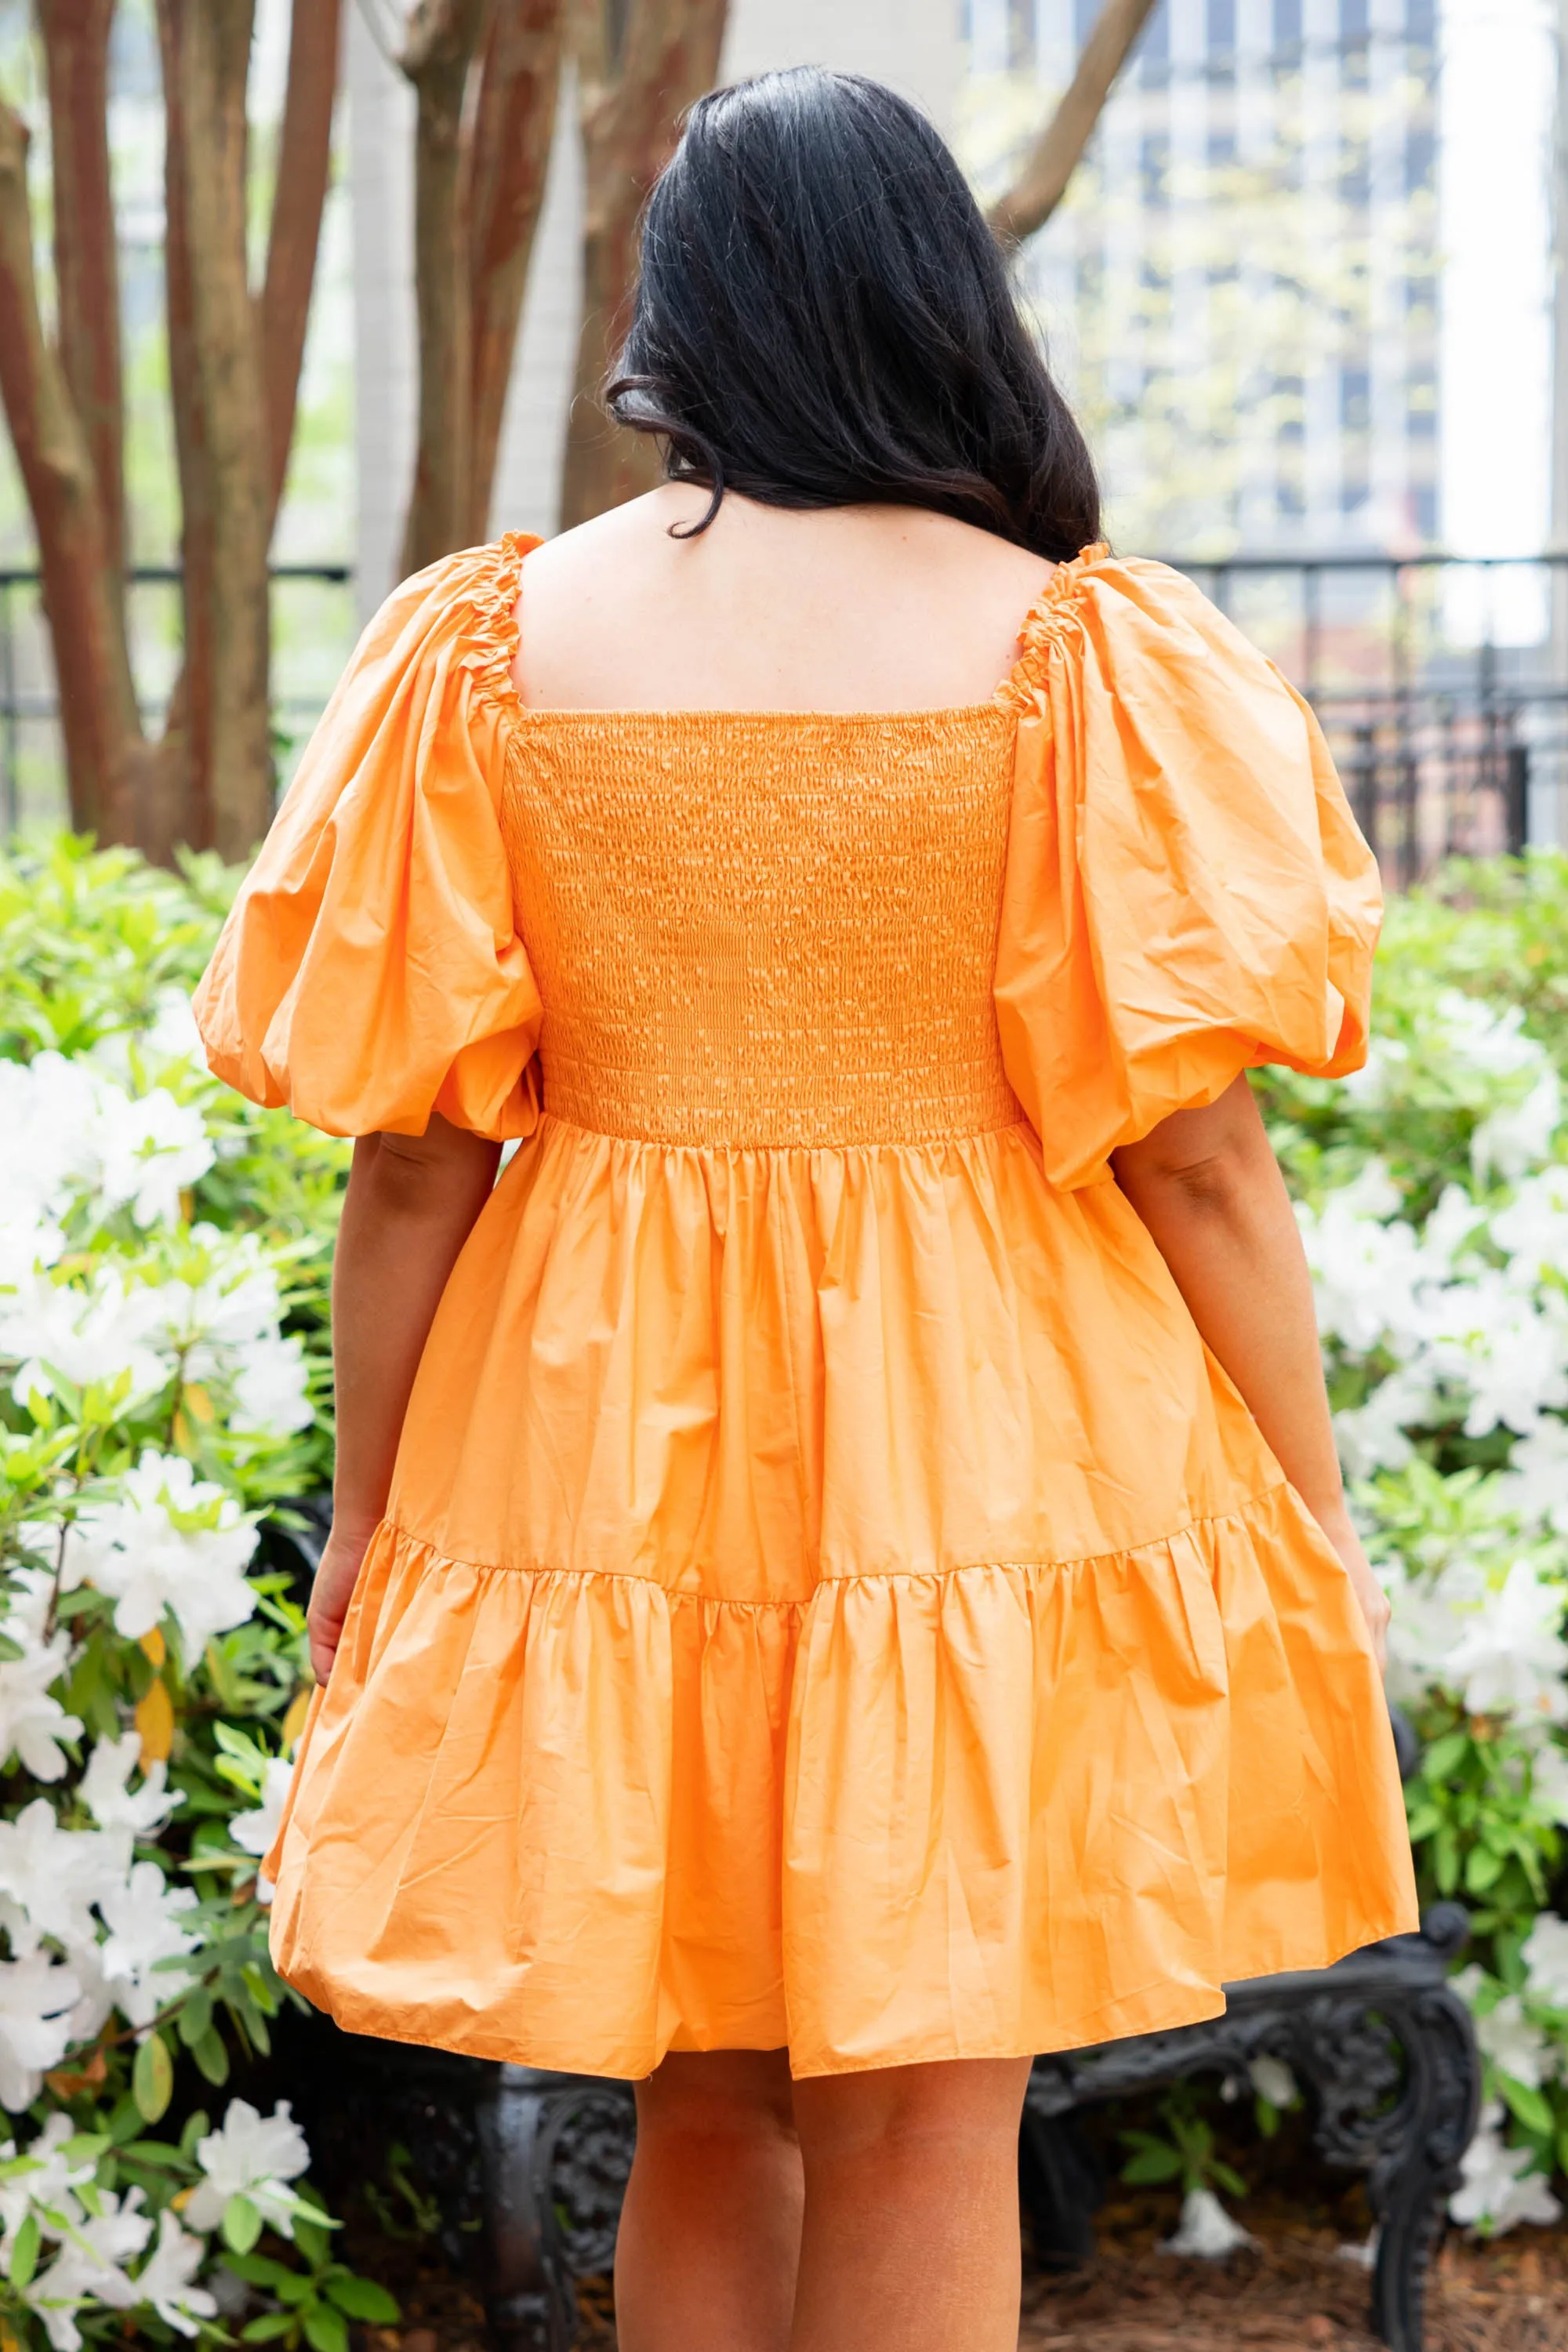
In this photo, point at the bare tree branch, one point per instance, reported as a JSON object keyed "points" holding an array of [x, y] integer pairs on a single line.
{"points": [[513, 126], [304, 167], [640, 65], [1051, 164]]}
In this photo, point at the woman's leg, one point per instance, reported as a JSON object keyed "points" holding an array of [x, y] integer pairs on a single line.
{"points": [[710, 2232], [911, 2209]]}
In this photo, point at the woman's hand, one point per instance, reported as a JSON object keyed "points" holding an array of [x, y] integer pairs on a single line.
{"points": [[332, 1591], [1341, 1532]]}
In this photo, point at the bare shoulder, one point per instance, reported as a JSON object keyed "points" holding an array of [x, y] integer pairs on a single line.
{"points": [[834, 608]]}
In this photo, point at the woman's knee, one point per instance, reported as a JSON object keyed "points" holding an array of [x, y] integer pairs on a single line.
{"points": [[734, 2098]]}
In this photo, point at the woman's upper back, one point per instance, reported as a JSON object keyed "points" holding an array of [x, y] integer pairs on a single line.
{"points": [[1107, 880], [837, 609]]}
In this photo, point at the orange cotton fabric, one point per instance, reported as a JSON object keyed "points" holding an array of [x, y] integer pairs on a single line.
{"points": [[830, 1597]]}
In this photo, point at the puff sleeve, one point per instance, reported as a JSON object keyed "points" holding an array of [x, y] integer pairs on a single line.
{"points": [[1186, 893], [370, 971]]}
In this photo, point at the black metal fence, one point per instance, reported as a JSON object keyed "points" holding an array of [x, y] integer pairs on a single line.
{"points": [[313, 623], [1442, 683]]}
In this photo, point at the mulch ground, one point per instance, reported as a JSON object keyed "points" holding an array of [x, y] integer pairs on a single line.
{"points": [[1295, 2293]]}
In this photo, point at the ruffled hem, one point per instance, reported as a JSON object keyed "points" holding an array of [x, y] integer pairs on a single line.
{"points": [[573, 1819]]}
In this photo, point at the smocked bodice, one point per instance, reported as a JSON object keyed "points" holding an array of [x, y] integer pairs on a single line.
{"points": [[764, 930]]}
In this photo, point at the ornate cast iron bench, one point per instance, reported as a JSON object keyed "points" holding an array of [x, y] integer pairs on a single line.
{"points": [[1385, 2049]]}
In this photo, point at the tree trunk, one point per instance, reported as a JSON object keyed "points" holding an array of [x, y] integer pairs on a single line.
{"points": [[304, 170], [640, 65], [97, 713], [1051, 164], [442, 38], [76, 55], [513, 124], [221, 421]]}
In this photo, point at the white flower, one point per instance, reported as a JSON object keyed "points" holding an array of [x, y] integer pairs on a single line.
{"points": [[253, 1832], [270, 1394], [1516, 2046], [1476, 1035], [1548, 1774], [1494, 1338], [93, 1331], [1510, 1656], [51, 1877], [50, 2180], [166, 2278], [49, 1112], [1533, 1228], [33, 2036], [150, 1149], [143, 1916], [1431, 1615], [1519, 1135], [1535, 1483], [1272, 2080], [32, 1723], [1545, 1955], [1499, 2188], [135, 1547], [224, 1327], [1207, 2230], [251, 2156], [1372, 1435], [105, 1786], [1367, 1272], [90, 2267]]}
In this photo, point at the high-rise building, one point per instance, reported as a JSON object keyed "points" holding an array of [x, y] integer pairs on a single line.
{"points": [[1241, 288]]}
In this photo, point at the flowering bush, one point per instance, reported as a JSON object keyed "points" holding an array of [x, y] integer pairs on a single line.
{"points": [[1432, 1192], [163, 1252]]}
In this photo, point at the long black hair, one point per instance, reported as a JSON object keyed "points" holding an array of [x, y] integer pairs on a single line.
{"points": [[823, 319]]}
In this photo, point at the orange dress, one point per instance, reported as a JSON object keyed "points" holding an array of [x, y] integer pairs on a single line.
{"points": [[830, 1597]]}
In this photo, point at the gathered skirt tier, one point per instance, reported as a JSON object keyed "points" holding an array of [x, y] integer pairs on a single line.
{"points": [[830, 1600]]}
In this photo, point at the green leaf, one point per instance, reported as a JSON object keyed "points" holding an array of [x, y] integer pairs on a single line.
{"points": [[196, 2127], [311, 2239], [241, 2224], [153, 2078], [268, 2328], [1444, 1756], [1151, 2164], [1531, 2106], [326, 2330], [259, 2270], [1483, 1868], [25, 2252], [211, 2056], [196, 2016], [1229, 2177], [363, 2299]]}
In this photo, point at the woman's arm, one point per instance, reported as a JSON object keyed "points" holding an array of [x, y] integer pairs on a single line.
{"points": [[1208, 1187], [411, 1205]]}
